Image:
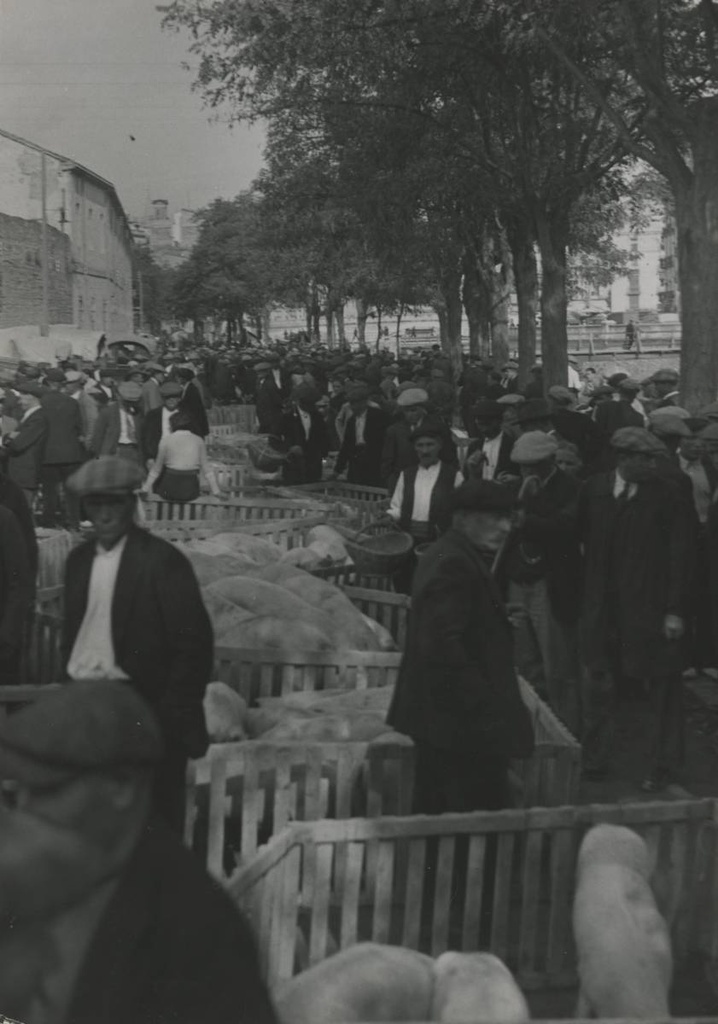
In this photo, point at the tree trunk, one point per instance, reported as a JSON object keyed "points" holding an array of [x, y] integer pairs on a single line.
{"points": [[475, 300], [449, 310], [362, 312], [500, 300], [397, 338], [339, 322], [552, 233], [378, 328], [526, 283], [329, 317], [696, 212]]}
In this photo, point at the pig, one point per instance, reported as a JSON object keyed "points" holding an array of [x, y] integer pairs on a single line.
{"points": [[367, 982], [625, 963], [224, 713], [473, 987]]}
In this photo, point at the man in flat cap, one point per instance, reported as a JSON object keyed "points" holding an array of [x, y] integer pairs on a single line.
{"points": [[457, 694], [665, 387], [488, 455], [639, 545], [612, 416], [305, 436], [361, 450], [118, 429], [134, 611], [157, 424], [63, 451], [399, 452], [574, 427], [25, 445], [272, 391], [104, 915], [541, 572]]}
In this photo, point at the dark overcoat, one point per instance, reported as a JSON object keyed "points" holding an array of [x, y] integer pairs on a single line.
{"points": [[457, 688], [650, 543], [26, 451], [63, 444], [398, 452], [269, 400], [315, 447], [161, 632], [363, 464]]}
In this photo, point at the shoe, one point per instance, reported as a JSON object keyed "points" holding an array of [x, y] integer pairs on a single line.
{"points": [[655, 783]]}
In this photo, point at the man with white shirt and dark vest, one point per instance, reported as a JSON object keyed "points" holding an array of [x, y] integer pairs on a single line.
{"points": [[157, 424], [118, 427], [134, 612], [421, 502], [399, 452], [638, 534]]}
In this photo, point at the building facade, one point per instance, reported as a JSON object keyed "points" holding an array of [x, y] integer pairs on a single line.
{"points": [[89, 242]]}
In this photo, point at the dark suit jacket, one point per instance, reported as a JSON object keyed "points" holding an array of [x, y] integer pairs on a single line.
{"points": [[26, 451], [457, 688], [398, 452], [12, 498], [160, 630], [106, 435], [270, 405], [64, 421], [170, 948], [151, 433], [579, 429], [364, 464], [503, 463], [315, 447], [16, 582], [192, 404]]}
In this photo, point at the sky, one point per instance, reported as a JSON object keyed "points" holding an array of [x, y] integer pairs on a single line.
{"points": [[82, 76]]}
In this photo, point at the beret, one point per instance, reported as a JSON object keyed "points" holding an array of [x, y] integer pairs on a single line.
{"points": [[412, 396], [637, 439], [185, 373], [483, 496], [170, 389], [533, 409], [80, 727], [487, 409], [262, 365], [560, 393], [629, 384], [709, 433], [129, 390], [357, 392], [109, 474], [55, 375], [513, 398], [665, 375], [666, 425], [534, 446]]}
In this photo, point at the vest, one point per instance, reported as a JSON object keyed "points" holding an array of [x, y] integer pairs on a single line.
{"points": [[440, 503]]}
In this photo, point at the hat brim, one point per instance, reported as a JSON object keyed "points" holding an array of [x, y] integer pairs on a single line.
{"points": [[28, 771]]}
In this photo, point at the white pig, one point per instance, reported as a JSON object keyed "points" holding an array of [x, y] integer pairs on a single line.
{"points": [[473, 987], [367, 982], [623, 944]]}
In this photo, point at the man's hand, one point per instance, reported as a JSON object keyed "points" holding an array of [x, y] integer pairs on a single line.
{"points": [[673, 627]]}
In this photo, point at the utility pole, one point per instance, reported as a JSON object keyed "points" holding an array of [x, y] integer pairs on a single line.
{"points": [[45, 253]]}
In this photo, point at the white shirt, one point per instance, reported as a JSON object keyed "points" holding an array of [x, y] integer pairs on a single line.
{"points": [[277, 374], [184, 451], [491, 450], [93, 655], [574, 379], [620, 485], [127, 428], [306, 421], [701, 486], [423, 488], [359, 425]]}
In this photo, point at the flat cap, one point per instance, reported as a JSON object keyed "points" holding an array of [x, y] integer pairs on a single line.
{"points": [[696, 423], [408, 385], [75, 377], [602, 391], [80, 727], [170, 389], [357, 392], [483, 496], [129, 391], [561, 394], [637, 439], [511, 365], [429, 428], [513, 398], [109, 474], [154, 367], [665, 375], [629, 384], [533, 409], [29, 388], [665, 425], [262, 365], [412, 396], [673, 410], [615, 379], [709, 433], [487, 409], [55, 375], [534, 446]]}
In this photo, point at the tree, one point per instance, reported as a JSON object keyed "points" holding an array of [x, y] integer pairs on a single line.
{"points": [[152, 291], [665, 55]]}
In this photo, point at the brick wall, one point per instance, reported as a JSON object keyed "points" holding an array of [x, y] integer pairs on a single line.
{"points": [[21, 273]]}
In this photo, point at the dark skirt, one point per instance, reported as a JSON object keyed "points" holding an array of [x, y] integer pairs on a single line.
{"points": [[178, 485]]}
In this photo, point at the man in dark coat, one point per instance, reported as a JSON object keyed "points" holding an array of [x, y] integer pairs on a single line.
{"points": [[638, 533], [665, 387], [12, 498], [457, 694], [192, 402], [272, 391], [16, 590], [399, 452], [105, 916], [488, 455], [134, 611], [157, 423], [305, 436], [25, 446], [64, 450], [118, 430], [360, 453], [575, 427], [542, 567]]}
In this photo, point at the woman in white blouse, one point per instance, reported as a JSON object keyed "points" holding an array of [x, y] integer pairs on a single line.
{"points": [[181, 461]]}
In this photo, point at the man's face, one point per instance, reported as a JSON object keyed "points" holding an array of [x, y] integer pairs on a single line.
{"points": [[427, 450], [488, 427], [509, 424], [487, 531], [692, 448], [171, 403], [664, 387], [414, 414], [568, 462], [636, 466], [111, 515]]}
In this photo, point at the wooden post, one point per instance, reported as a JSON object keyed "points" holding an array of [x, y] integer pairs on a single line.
{"points": [[44, 253]]}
